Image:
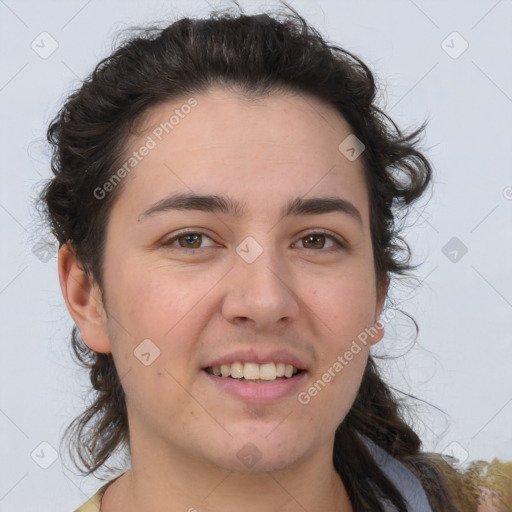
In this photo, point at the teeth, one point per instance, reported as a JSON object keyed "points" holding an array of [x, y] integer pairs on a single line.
{"points": [[237, 370], [251, 371], [267, 371], [254, 371]]}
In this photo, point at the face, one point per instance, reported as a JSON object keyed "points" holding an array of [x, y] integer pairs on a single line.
{"points": [[197, 291]]}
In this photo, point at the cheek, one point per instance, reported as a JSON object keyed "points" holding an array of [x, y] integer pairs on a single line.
{"points": [[332, 390], [344, 309], [155, 300], [344, 305]]}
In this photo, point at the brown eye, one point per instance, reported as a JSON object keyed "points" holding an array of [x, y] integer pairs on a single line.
{"points": [[317, 241], [190, 240]]}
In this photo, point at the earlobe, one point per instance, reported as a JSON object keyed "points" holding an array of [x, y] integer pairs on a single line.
{"points": [[83, 300], [376, 332]]}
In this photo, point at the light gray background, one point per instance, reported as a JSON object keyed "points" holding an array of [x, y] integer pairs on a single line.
{"points": [[463, 358]]}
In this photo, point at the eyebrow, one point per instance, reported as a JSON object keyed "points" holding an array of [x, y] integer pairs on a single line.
{"points": [[224, 204]]}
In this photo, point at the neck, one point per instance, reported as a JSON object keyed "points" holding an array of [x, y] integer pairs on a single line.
{"points": [[180, 483]]}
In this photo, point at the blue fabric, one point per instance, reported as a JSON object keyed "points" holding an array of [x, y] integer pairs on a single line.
{"points": [[402, 477]]}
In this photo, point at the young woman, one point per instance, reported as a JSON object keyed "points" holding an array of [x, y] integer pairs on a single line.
{"points": [[224, 198]]}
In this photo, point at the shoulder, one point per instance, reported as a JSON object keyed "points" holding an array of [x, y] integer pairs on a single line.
{"points": [[93, 503], [478, 486]]}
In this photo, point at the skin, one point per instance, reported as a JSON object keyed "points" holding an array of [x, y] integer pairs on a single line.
{"points": [[197, 305]]}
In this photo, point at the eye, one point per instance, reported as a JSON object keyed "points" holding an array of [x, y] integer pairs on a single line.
{"points": [[313, 241], [316, 241], [187, 240]]}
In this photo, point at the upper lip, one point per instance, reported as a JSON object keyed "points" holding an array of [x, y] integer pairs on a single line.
{"points": [[260, 357]]}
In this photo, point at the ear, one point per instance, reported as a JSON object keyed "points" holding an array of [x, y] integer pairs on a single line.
{"points": [[377, 330], [83, 300]]}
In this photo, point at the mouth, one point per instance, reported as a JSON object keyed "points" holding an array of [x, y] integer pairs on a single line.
{"points": [[254, 373]]}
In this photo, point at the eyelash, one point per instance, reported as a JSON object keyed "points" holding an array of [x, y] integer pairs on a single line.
{"points": [[339, 244]]}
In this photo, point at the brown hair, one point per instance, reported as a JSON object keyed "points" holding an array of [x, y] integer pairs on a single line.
{"points": [[253, 55]]}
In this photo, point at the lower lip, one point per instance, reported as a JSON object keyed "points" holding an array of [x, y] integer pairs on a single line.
{"points": [[257, 393]]}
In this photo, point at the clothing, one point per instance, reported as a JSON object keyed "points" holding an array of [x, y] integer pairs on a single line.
{"points": [[402, 477], [93, 503]]}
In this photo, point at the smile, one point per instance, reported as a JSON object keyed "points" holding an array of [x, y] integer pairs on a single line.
{"points": [[256, 389], [254, 372]]}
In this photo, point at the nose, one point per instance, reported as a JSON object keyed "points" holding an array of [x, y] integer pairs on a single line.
{"points": [[260, 294]]}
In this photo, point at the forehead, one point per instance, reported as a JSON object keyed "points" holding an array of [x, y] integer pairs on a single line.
{"points": [[268, 150], [231, 118]]}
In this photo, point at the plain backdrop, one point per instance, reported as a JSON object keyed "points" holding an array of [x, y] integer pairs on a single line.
{"points": [[445, 61]]}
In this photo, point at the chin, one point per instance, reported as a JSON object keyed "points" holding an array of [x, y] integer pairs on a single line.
{"points": [[258, 451], [251, 460]]}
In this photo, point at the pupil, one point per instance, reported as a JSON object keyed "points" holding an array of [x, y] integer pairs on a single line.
{"points": [[313, 237], [189, 238]]}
